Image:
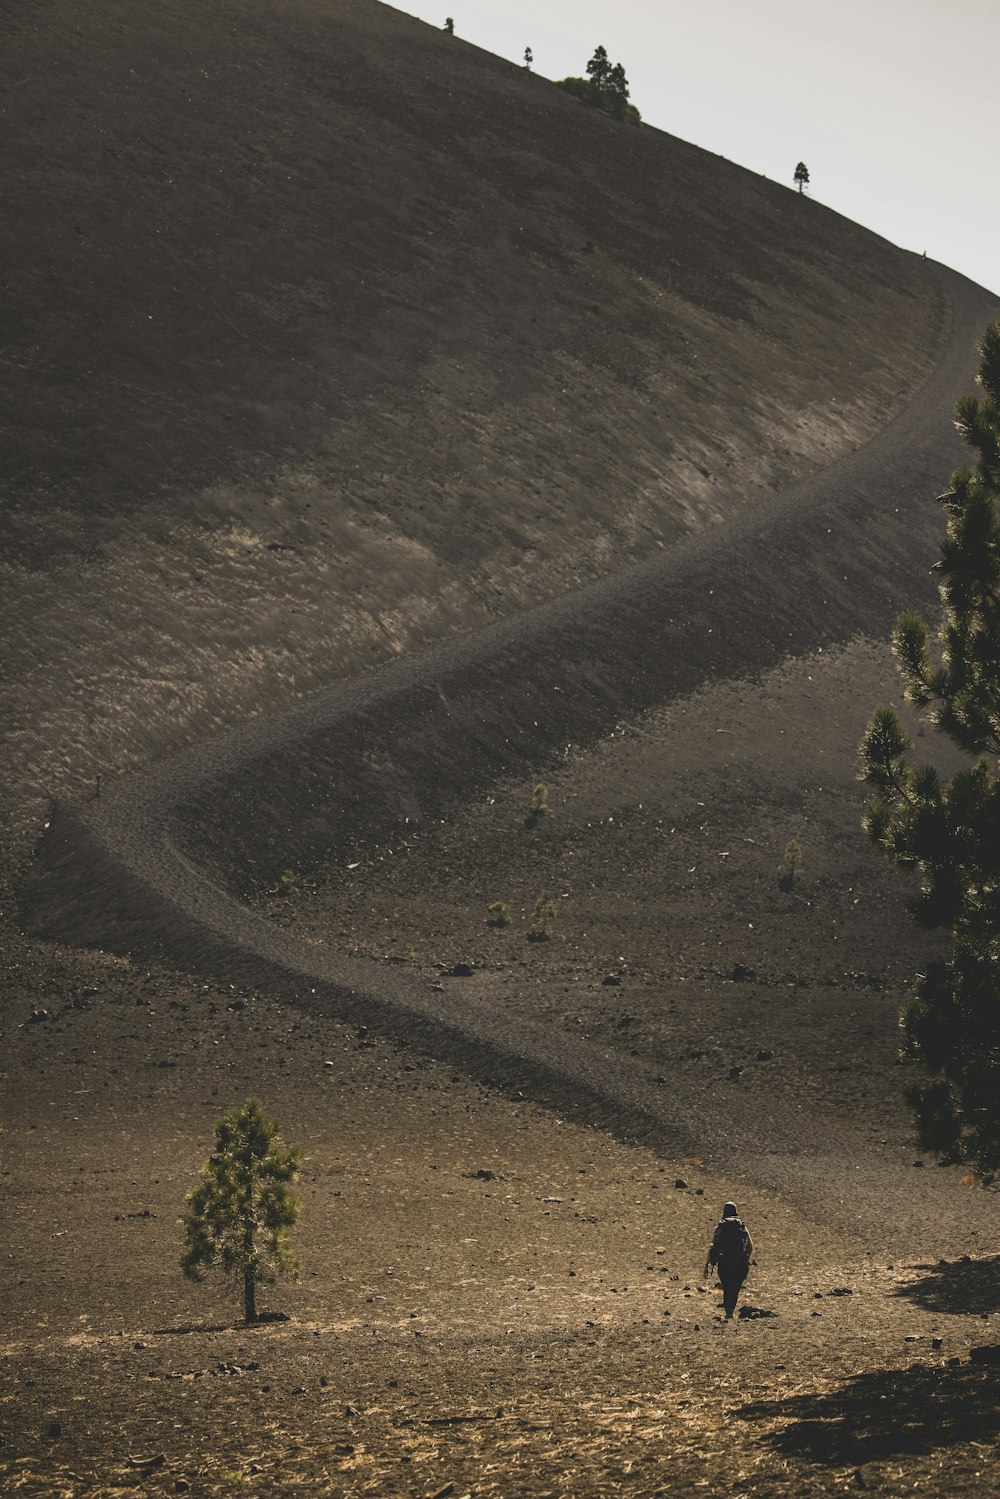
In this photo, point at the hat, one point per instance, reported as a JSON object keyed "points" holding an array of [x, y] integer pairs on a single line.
{"points": [[729, 1210]]}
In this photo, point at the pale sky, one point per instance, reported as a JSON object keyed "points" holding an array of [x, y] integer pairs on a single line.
{"points": [[893, 105]]}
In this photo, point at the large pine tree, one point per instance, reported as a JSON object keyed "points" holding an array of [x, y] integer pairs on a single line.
{"points": [[949, 831]]}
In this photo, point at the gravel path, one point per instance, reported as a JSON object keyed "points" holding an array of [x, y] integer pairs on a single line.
{"points": [[156, 862]]}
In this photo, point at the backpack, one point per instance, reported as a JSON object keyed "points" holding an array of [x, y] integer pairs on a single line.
{"points": [[730, 1243]]}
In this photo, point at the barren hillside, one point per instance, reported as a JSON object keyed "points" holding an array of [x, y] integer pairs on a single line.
{"points": [[327, 334]]}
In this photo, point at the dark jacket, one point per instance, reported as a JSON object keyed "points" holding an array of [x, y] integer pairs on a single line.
{"points": [[731, 1247]]}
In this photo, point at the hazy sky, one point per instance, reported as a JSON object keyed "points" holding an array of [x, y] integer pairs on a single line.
{"points": [[893, 105]]}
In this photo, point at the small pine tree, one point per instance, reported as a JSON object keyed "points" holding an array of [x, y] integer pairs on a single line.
{"points": [[239, 1215], [529, 58], [449, 26], [801, 175]]}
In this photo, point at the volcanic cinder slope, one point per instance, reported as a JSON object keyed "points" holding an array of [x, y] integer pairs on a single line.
{"points": [[385, 431], [325, 337]]}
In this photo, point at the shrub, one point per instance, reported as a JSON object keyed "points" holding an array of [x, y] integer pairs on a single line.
{"points": [[542, 918], [539, 806], [792, 860], [597, 98], [498, 913]]}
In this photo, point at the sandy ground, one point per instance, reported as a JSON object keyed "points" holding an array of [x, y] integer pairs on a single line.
{"points": [[494, 1295], [511, 1176]]}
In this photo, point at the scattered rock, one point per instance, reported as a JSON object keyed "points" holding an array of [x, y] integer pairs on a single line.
{"points": [[841, 1291], [937, 1342], [754, 1313], [459, 971], [765, 1054], [913, 1337], [741, 974], [681, 1184], [54, 1429], [38, 1015], [484, 1175], [985, 1353], [611, 978], [734, 1073]]}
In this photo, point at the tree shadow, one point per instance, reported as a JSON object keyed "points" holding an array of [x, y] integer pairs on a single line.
{"points": [[196, 1327], [263, 1319], [885, 1413], [963, 1285]]}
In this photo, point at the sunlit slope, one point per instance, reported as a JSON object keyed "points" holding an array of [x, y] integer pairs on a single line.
{"points": [[325, 333]]}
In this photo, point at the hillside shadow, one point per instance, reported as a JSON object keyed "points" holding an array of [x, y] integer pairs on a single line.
{"points": [[965, 1285], [883, 1414]]}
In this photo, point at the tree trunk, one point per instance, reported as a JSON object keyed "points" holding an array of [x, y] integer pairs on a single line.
{"points": [[250, 1294]]}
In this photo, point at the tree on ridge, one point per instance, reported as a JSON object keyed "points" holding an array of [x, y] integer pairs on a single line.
{"points": [[599, 68], [949, 832], [605, 88], [801, 175]]}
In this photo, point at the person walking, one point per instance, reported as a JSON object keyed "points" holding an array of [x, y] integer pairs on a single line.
{"points": [[729, 1253]]}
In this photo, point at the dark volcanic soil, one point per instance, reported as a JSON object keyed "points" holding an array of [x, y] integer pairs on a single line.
{"points": [[331, 337], [327, 336]]}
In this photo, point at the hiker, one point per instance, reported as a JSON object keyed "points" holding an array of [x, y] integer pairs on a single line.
{"points": [[729, 1253]]}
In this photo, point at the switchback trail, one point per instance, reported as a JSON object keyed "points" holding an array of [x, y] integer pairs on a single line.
{"points": [[159, 861]]}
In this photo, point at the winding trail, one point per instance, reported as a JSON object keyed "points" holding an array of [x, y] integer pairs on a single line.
{"points": [[147, 866]]}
